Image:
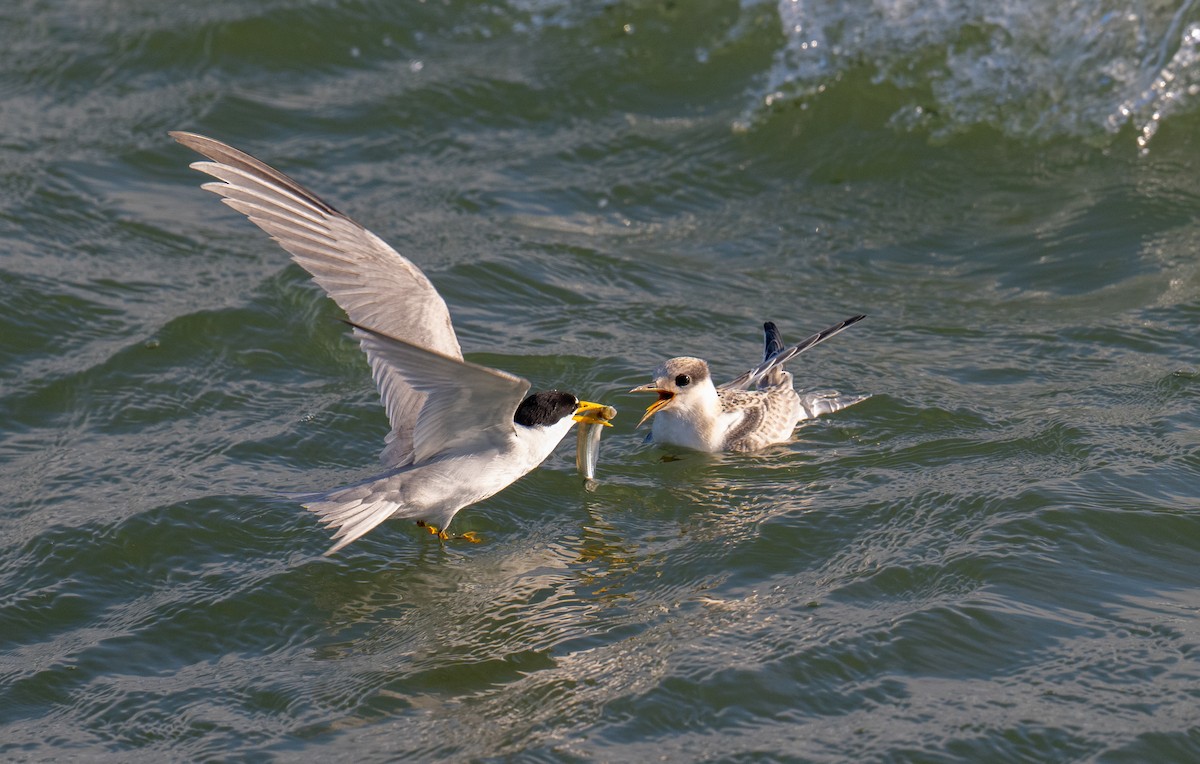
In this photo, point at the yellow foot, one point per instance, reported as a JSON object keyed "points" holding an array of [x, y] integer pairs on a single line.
{"points": [[441, 534], [433, 529]]}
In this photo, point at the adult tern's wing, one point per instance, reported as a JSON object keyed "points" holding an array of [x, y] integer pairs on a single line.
{"points": [[751, 378], [467, 407], [372, 282]]}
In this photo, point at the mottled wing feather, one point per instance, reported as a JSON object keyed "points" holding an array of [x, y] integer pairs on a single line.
{"points": [[372, 282], [741, 435]]}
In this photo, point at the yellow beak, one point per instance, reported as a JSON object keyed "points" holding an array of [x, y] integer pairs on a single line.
{"points": [[664, 397], [594, 413]]}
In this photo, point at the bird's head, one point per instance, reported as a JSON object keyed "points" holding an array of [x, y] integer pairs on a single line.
{"points": [[552, 406], [678, 382]]}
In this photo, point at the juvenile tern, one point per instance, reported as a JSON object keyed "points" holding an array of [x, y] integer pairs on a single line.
{"points": [[755, 410], [460, 432]]}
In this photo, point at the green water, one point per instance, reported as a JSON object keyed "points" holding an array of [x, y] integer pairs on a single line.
{"points": [[994, 558]]}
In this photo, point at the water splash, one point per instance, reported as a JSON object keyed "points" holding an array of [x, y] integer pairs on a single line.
{"points": [[1174, 89], [1030, 68]]}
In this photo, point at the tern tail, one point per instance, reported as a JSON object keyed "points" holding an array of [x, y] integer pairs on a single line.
{"points": [[355, 510], [773, 340], [772, 348], [821, 402]]}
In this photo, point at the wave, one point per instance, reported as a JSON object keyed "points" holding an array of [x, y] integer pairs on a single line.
{"points": [[1031, 68]]}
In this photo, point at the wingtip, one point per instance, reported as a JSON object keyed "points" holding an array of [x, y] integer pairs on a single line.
{"points": [[186, 138]]}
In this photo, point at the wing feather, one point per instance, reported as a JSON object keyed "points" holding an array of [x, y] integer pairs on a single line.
{"points": [[367, 278], [466, 407], [751, 378]]}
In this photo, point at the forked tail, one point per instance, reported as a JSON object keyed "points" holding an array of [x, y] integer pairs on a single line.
{"points": [[354, 510], [823, 402]]}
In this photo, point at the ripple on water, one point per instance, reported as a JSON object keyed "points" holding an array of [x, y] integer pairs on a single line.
{"points": [[989, 559]]}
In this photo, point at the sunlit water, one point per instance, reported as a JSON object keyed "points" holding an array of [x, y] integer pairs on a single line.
{"points": [[994, 558]]}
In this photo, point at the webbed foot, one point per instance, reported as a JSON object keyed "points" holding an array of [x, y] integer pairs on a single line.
{"points": [[441, 534]]}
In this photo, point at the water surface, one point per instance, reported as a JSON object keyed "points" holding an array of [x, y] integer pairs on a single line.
{"points": [[993, 558]]}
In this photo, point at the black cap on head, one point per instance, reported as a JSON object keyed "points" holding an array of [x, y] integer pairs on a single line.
{"points": [[545, 408]]}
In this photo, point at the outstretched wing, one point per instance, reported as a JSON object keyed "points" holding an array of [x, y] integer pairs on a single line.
{"points": [[777, 358], [372, 282], [466, 407]]}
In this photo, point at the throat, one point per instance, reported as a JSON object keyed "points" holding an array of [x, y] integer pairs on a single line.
{"points": [[695, 426]]}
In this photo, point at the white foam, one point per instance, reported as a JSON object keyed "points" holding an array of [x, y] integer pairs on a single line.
{"points": [[1031, 68]]}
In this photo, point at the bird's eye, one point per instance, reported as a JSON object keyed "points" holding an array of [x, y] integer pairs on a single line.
{"points": [[683, 380]]}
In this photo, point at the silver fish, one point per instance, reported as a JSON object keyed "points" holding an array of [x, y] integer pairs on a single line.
{"points": [[587, 442]]}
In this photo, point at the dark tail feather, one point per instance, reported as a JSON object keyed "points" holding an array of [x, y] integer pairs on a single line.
{"points": [[777, 359], [774, 341]]}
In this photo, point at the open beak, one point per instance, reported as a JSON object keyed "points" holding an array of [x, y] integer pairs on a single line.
{"points": [[594, 413], [664, 397]]}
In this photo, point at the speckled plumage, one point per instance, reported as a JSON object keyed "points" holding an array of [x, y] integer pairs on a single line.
{"points": [[757, 409]]}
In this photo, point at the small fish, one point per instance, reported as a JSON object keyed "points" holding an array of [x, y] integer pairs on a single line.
{"points": [[587, 441]]}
